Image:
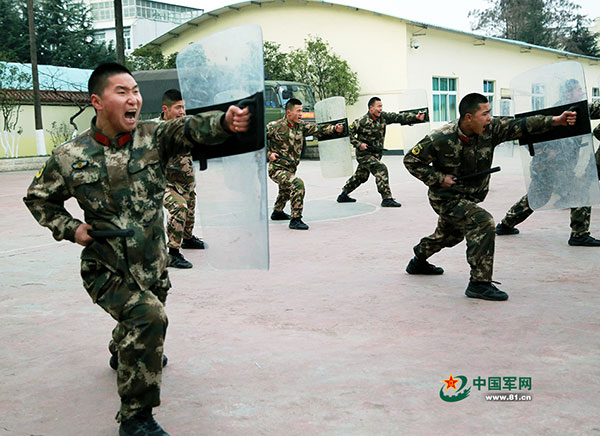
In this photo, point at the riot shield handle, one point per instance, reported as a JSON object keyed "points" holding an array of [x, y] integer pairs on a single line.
{"points": [[117, 233]]}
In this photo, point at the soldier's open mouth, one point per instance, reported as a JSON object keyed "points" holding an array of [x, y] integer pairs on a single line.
{"points": [[130, 115]]}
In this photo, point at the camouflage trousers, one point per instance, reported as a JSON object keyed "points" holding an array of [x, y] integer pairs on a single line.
{"points": [[181, 217], [580, 216], [520, 211], [138, 338], [460, 219], [290, 188], [367, 165]]}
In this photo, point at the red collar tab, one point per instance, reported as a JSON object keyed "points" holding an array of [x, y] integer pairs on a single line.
{"points": [[464, 138], [374, 118], [124, 139], [102, 139], [105, 140]]}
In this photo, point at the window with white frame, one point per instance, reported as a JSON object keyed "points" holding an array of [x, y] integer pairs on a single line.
{"points": [[595, 95], [537, 96], [127, 38], [444, 98], [488, 92]]}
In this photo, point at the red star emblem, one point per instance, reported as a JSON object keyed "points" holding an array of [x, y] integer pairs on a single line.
{"points": [[451, 382]]}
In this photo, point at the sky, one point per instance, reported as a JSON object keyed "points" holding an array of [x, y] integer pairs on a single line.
{"points": [[445, 13]]}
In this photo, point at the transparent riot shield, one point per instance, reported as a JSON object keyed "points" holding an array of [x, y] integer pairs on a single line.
{"points": [[414, 101], [222, 69], [559, 166], [335, 154]]}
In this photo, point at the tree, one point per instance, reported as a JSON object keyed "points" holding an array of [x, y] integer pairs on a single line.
{"points": [[549, 23], [11, 80], [64, 34], [150, 57], [276, 62], [582, 41], [316, 65], [14, 31]]}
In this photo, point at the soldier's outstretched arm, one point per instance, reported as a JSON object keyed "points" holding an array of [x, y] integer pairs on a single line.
{"points": [[402, 117], [45, 200], [206, 129], [509, 128]]}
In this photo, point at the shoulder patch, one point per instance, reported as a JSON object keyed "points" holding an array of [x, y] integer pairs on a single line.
{"points": [[41, 171], [417, 149]]}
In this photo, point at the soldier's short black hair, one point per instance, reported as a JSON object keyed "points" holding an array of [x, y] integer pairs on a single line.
{"points": [[171, 96], [470, 104], [291, 103], [373, 100], [99, 78]]}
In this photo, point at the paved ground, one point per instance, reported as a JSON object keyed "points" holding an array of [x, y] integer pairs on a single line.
{"points": [[336, 339]]}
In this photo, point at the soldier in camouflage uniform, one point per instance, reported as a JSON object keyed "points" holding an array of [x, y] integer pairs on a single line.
{"points": [[580, 216], [285, 141], [367, 135], [180, 195], [116, 172], [464, 147]]}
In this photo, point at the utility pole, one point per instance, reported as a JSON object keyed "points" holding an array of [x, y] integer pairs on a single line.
{"points": [[40, 143], [119, 31]]}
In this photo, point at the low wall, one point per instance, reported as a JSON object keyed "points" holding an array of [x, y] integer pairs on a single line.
{"points": [[22, 163]]}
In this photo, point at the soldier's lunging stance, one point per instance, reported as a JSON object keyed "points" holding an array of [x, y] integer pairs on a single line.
{"points": [[462, 147], [116, 172], [367, 135], [285, 141], [180, 195]]}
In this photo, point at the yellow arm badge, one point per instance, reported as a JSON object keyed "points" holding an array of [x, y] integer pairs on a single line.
{"points": [[40, 172], [417, 149]]}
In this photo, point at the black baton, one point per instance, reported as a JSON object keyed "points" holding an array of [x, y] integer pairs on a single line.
{"points": [[119, 233], [477, 174]]}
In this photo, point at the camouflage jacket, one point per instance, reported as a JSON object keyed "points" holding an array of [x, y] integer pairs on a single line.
{"points": [[119, 186], [449, 151], [287, 140], [371, 130]]}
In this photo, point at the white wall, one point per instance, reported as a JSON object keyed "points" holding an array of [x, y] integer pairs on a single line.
{"points": [[27, 146]]}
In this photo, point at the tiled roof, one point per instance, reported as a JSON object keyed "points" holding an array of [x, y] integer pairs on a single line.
{"points": [[48, 97]]}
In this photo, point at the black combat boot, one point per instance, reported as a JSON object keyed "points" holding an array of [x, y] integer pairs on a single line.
{"points": [[344, 198], [176, 260], [586, 240], [485, 291], [114, 361], [503, 229], [279, 215], [194, 242], [141, 424], [389, 202], [421, 266], [298, 224]]}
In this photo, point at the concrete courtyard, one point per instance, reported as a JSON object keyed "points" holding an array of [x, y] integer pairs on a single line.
{"points": [[336, 339]]}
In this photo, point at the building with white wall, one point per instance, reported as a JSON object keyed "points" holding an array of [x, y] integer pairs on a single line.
{"points": [[390, 54], [143, 20]]}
